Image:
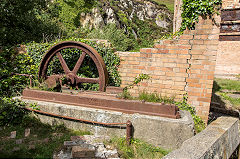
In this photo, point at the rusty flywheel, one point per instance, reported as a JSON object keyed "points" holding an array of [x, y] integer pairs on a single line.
{"points": [[71, 75]]}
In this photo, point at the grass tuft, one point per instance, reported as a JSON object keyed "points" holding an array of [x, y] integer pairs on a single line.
{"points": [[137, 149]]}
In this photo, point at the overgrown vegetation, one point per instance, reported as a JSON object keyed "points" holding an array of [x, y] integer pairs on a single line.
{"points": [[88, 68], [43, 141], [137, 149], [228, 90], [199, 125], [192, 9], [11, 112], [226, 84], [168, 3]]}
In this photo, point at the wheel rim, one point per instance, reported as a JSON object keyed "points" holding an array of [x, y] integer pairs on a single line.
{"points": [[72, 74]]}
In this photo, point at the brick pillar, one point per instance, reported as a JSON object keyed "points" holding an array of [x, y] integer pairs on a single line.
{"points": [[202, 66]]}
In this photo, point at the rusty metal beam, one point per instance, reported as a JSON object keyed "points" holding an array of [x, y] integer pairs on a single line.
{"points": [[105, 102]]}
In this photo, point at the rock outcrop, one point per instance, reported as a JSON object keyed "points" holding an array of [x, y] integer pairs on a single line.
{"points": [[125, 12]]}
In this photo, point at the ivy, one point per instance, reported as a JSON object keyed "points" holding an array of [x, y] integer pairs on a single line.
{"points": [[192, 9], [88, 69]]}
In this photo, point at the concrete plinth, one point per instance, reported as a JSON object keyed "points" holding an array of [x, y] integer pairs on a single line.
{"points": [[164, 132]]}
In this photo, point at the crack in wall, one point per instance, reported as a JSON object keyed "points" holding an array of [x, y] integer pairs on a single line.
{"points": [[189, 64]]}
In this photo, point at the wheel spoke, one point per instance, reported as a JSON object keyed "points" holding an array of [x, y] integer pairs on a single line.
{"points": [[87, 80], [79, 63], [63, 63]]}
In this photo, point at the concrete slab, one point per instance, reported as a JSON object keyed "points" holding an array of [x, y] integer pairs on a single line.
{"points": [[164, 132], [219, 140]]}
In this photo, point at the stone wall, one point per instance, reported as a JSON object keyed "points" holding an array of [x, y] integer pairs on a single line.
{"points": [[176, 67], [218, 140]]}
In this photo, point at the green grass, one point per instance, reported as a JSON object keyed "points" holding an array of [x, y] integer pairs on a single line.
{"points": [[221, 84], [39, 132], [168, 3], [154, 97], [234, 101], [137, 149]]}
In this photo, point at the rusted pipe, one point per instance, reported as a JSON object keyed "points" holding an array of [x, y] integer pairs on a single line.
{"points": [[129, 132], [128, 124]]}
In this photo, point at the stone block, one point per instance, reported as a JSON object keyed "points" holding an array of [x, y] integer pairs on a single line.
{"points": [[83, 151], [13, 134], [27, 132], [219, 140]]}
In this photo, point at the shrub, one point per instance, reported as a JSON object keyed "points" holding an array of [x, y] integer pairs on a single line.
{"points": [[11, 62], [88, 69], [116, 36], [11, 111]]}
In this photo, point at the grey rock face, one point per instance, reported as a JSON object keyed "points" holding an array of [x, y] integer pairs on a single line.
{"points": [[108, 13]]}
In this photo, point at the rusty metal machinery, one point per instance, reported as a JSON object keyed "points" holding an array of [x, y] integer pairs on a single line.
{"points": [[71, 75], [100, 100]]}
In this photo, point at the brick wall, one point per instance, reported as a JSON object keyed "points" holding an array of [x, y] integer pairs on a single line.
{"points": [[226, 4], [228, 61], [176, 67]]}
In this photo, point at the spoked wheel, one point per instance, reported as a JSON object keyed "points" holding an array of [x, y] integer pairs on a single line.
{"points": [[71, 75]]}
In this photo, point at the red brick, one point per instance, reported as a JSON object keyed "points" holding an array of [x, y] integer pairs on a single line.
{"points": [[204, 99]]}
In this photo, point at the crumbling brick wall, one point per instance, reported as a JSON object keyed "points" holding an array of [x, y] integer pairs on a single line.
{"points": [[179, 66]]}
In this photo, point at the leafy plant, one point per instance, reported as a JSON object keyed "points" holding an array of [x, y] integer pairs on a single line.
{"points": [[11, 111], [192, 9], [183, 105], [137, 149], [138, 79], [11, 63], [23, 20], [155, 97]]}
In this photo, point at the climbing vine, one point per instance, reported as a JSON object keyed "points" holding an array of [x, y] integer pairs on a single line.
{"points": [[192, 9]]}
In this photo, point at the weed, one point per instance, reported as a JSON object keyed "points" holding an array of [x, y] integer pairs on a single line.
{"points": [[155, 97], [199, 125], [234, 101], [137, 149]]}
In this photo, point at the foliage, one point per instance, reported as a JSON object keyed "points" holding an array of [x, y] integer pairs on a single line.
{"points": [[227, 84], [234, 101], [192, 9], [23, 20], [154, 97], [88, 69], [11, 111], [131, 34], [137, 80], [125, 94], [137, 149], [224, 87], [68, 12], [115, 36], [183, 105], [11, 62], [238, 76], [168, 3], [38, 137]]}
